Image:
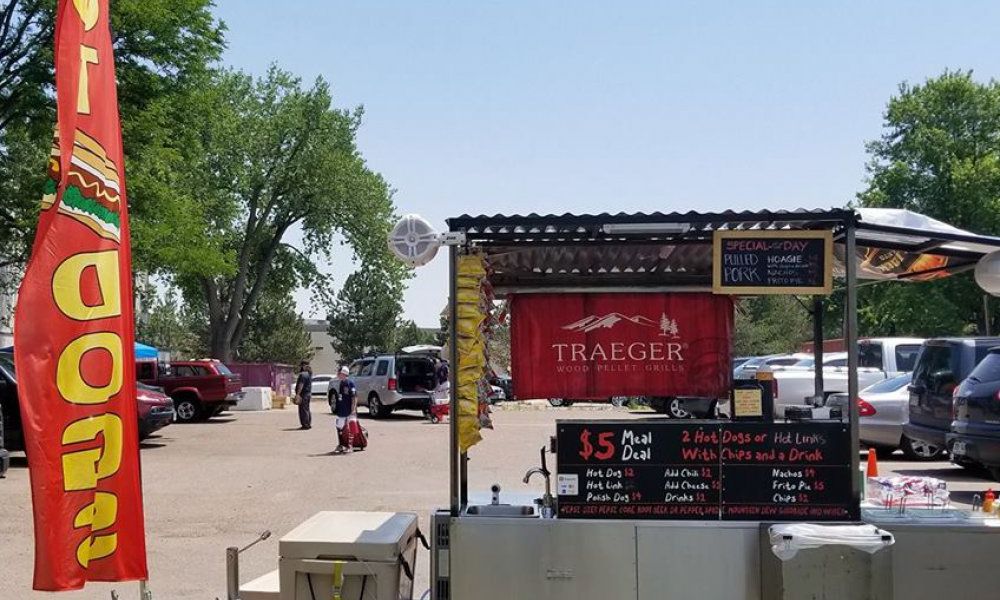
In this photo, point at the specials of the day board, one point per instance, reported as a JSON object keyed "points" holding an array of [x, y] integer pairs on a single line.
{"points": [[692, 470], [772, 262]]}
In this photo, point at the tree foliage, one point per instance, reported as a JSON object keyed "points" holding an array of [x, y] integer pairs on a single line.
{"points": [[770, 325], [407, 333], [159, 45], [171, 326], [363, 318], [249, 163], [939, 155], [276, 333]]}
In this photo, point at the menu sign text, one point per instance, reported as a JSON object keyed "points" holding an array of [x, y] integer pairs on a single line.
{"points": [[692, 470], [772, 262]]}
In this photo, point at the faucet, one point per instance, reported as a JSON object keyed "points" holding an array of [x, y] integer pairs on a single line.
{"points": [[548, 503]]}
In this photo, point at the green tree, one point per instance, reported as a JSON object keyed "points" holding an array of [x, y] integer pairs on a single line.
{"points": [[276, 332], [159, 45], [939, 155], [248, 163], [408, 334], [170, 326], [364, 315], [770, 325]]}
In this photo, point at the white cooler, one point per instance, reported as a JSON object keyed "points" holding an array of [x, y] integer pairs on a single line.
{"points": [[349, 556]]}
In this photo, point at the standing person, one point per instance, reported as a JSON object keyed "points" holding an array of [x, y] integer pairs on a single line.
{"points": [[303, 391], [441, 372], [347, 406]]}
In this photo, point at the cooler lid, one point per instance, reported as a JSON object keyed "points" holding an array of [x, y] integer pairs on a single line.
{"points": [[374, 536]]}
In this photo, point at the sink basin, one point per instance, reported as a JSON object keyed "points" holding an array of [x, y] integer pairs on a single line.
{"points": [[501, 510]]}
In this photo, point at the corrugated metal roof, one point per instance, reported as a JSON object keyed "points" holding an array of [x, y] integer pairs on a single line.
{"points": [[765, 219]]}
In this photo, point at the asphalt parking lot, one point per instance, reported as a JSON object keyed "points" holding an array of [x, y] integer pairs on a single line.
{"points": [[216, 484]]}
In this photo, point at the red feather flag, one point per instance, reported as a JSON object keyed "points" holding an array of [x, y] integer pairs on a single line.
{"points": [[74, 338]]}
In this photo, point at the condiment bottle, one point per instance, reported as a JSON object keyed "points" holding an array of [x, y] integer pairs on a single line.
{"points": [[988, 501]]}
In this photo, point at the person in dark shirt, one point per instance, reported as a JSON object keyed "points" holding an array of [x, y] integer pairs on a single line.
{"points": [[303, 392], [441, 372], [347, 405]]}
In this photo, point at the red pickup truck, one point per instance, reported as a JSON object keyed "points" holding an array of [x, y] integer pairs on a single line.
{"points": [[200, 389]]}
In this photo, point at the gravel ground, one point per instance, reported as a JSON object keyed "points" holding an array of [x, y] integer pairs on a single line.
{"points": [[211, 485]]}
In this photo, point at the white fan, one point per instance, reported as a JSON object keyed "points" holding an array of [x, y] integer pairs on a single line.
{"points": [[414, 241], [988, 273]]}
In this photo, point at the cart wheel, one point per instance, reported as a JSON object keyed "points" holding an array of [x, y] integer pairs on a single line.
{"points": [[435, 420]]}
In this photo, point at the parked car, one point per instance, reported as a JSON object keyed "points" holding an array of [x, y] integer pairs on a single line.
{"points": [[975, 431], [200, 389], [389, 382], [497, 395], [13, 435], [321, 384], [943, 364], [878, 359], [156, 409], [883, 410], [505, 383], [748, 368], [7, 399]]}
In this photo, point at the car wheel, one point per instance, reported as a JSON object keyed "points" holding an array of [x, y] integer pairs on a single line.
{"points": [[619, 401], [188, 409], [675, 409], [376, 408], [918, 450], [557, 402]]}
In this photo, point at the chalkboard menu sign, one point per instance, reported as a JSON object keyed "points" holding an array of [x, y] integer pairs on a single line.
{"points": [[704, 470], [772, 262]]}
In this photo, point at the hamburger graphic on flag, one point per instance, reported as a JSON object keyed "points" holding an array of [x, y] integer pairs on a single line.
{"points": [[93, 191]]}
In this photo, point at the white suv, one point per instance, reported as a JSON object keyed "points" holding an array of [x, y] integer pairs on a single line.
{"points": [[389, 382]]}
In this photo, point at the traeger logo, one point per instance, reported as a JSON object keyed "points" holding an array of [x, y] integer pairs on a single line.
{"points": [[629, 355]]}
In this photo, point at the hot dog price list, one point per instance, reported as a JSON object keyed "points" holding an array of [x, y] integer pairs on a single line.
{"points": [[657, 470]]}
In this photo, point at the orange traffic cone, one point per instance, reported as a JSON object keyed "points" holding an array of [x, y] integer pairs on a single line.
{"points": [[872, 464]]}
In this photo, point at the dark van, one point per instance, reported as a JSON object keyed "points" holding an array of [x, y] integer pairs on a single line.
{"points": [[942, 364], [975, 432]]}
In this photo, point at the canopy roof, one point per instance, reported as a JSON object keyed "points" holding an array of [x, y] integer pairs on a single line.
{"points": [[671, 249]]}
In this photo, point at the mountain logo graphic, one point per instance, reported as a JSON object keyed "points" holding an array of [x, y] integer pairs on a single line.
{"points": [[593, 322]]}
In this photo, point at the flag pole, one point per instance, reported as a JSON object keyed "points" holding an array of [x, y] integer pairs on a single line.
{"points": [[144, 593]]}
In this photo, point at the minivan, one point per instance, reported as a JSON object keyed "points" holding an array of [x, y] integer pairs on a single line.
{"points": [[389, 382], [975, 432]]}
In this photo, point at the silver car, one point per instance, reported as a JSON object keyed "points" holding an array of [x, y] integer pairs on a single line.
{"points": [[884, 409], [389, 382]]}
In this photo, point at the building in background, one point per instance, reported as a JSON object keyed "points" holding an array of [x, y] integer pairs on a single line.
{"points": [[325, 359]]}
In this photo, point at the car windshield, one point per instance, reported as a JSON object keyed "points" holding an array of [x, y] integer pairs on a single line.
{"points": [[805, 362], [7, 363], [988, 369], [890, 385]]}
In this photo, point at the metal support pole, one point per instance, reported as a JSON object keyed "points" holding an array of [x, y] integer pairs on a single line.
{"points": [[817, 315], [454, 461], [232, 573], [851, 340], [986, 314], [144, 591]]}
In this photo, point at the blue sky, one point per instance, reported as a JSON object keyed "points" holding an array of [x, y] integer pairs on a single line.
{"points": [[516, 107]]}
